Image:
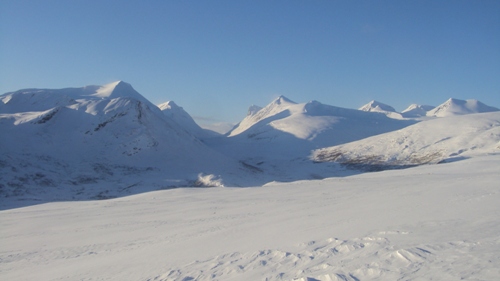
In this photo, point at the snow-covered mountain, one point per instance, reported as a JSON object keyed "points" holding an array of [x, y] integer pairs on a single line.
{"points": [[106, 141], [317, 123], [416, 110], [460, 107], [70, 138], [256, 114], [182, 118], [376, 106], [432, 141], [276, 141]]}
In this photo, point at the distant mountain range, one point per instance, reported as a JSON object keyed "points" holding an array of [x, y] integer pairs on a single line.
{"points": [[108, 141], [448, 108]]}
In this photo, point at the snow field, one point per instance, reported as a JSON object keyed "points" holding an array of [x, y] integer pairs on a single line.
{"points": [[431, 222]]}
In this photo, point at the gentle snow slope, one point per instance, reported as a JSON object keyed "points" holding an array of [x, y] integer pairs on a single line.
{"points": [[435, 222], [430, 141]]}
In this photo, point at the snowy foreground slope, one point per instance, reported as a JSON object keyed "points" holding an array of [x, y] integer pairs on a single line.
{"points": [[433, 222]]}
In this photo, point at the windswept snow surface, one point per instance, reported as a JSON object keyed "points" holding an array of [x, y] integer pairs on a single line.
{"points": [[432, 141], [434, 222]]}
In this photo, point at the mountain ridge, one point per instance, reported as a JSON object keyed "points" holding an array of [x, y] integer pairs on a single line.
{"points": [[81, 140]]}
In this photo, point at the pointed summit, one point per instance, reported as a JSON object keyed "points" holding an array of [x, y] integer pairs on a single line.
{"points": [[117, 89], [172, 110], [375, 106], [255, 116], [282, 100], [169, 105]]}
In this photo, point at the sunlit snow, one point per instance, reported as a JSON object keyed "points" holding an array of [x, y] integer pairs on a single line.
{"points": [[98, 183]]}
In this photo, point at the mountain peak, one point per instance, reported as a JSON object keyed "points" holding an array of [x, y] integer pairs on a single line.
{"points": [[169, 105], [117, 89], [377, 106], [454, 106], [454, 100], [282, 100]]}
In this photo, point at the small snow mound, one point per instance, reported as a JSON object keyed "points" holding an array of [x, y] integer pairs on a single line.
{"points": [[208, 180]]}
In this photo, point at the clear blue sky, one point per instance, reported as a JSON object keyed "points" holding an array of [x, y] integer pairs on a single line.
{"points": [[215, 58]]}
